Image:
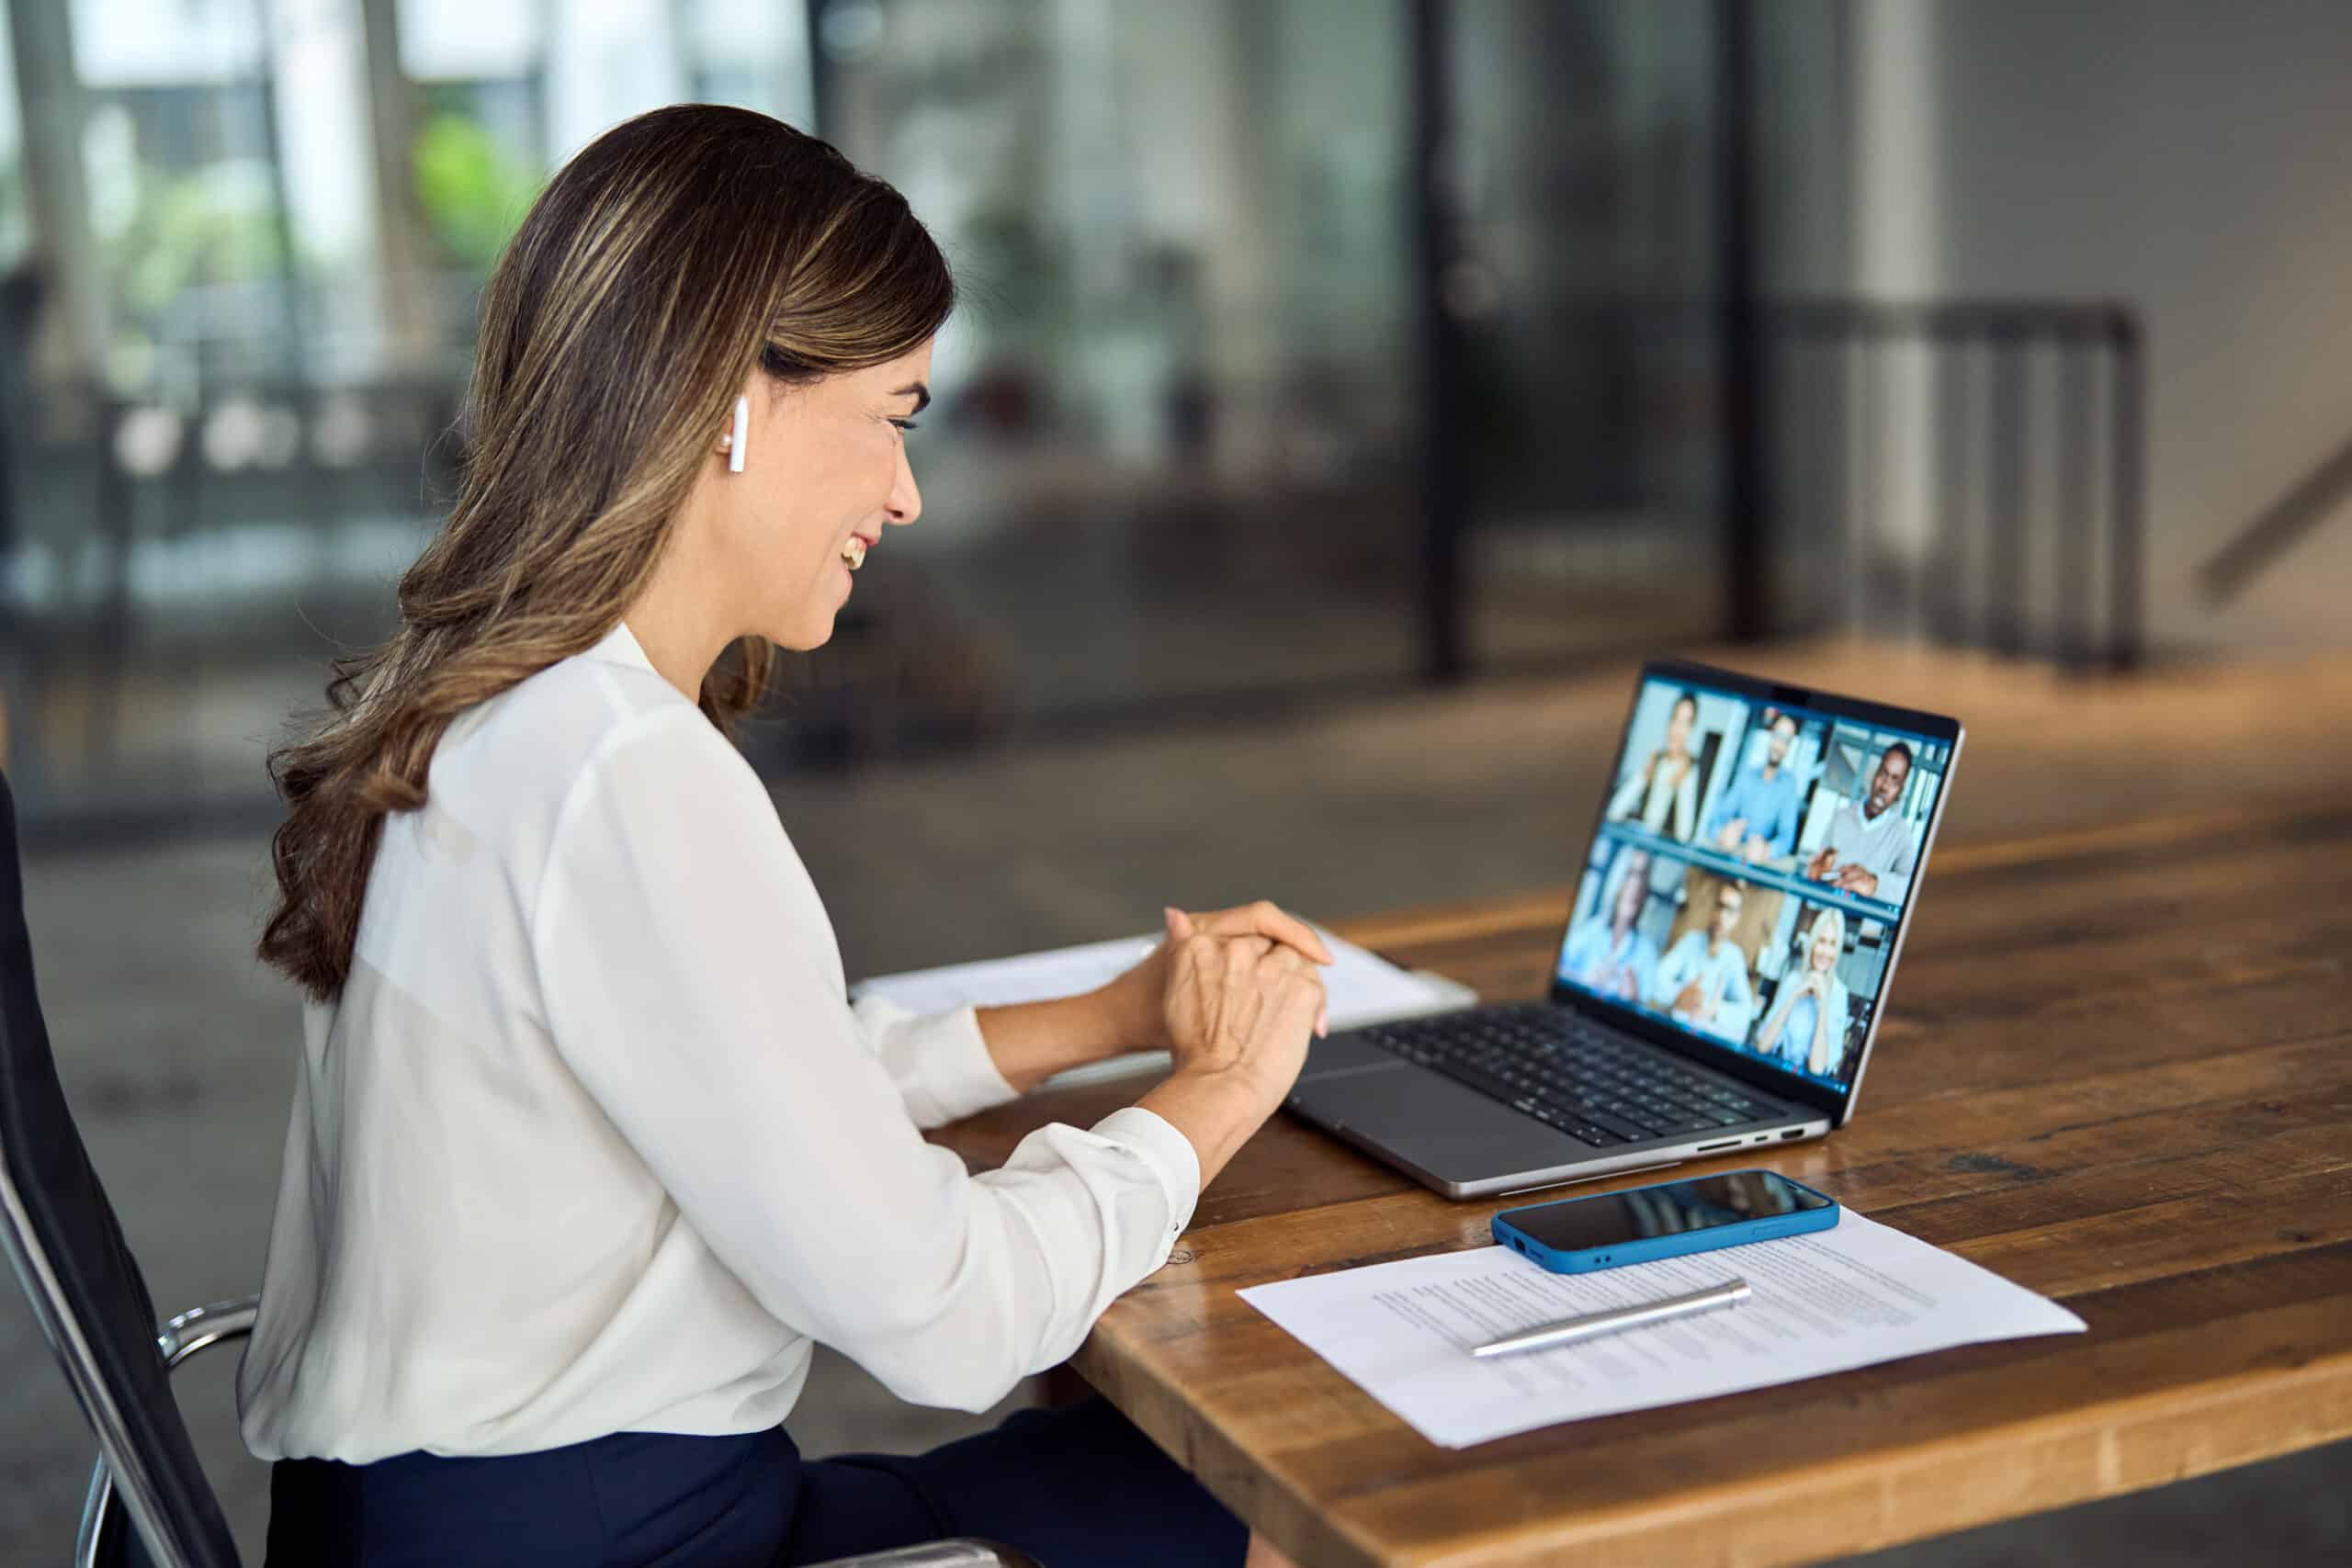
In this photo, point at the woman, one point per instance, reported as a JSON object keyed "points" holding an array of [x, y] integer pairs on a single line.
{"points": [[1665, 788], [1807, 1024], [1608, 954], [588, 1149]]}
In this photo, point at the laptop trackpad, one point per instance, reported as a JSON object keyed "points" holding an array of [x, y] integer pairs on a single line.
{"points": [[1445, 1128], [1344, 1053]]}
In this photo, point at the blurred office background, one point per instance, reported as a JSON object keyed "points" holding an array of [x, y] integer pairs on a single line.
{"points": [[1347, 391], [1313, 346], [1219, 327]]}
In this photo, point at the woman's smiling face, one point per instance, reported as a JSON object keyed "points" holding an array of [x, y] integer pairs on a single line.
{"points": [[825, 465], [1678, 728]]}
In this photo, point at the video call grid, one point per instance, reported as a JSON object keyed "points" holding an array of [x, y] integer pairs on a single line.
{"points": [[1763, 821]]}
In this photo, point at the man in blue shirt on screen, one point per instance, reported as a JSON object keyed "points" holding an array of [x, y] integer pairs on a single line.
{"points": [[1703, 982], [1756, 818]]}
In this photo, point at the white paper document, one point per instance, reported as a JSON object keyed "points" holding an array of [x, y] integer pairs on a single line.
{"points": [[1362, 987], [1851, 1296]]}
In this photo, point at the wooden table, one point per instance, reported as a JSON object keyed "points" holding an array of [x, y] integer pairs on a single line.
{"points": [[2117, 1069]]}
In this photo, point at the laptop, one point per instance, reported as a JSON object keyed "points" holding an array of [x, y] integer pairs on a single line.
{"points": [[1720, 974]]}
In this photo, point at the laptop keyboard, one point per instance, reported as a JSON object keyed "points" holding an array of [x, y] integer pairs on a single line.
{"points": [[1592, 1084]]}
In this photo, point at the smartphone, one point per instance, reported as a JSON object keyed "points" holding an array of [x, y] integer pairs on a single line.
{"points": [[1576, 1235]]}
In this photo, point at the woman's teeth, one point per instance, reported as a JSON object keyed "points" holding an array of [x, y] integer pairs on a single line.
{"points": [[854, 552]]}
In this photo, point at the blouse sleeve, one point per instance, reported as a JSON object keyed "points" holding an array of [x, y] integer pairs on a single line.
{"points": [[686, 992], [939, 1061], [1628, 798]]}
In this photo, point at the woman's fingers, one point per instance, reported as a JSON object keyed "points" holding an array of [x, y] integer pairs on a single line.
{"points": [[1262, 925], [1266, 920], [1243, 954], [1295, 973], [1247, 961], [1245, 1000]]}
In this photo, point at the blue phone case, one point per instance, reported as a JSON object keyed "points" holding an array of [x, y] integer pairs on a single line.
{"points": [[1617, 1255]]}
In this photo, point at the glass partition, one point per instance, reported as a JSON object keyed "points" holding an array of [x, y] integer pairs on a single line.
{"points": [[1186, 416], [1591, 374], [1174, 448]]}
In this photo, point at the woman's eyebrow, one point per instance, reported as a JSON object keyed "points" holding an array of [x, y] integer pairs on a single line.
{"points": [[917, 390]]}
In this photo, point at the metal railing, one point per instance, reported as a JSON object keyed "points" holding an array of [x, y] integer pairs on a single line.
{"points": [[1969, 471], [2279, 527]]}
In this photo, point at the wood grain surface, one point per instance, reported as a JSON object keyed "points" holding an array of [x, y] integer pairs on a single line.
{"points": [[2116, 1067]]}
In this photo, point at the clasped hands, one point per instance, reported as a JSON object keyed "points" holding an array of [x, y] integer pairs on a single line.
{"points": [[1696, 1001], [1735, 840], [1236, 992], [1824, 867], [1236, 989]]}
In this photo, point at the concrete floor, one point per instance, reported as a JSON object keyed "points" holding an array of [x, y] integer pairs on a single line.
{"points": [[177, 1049]]}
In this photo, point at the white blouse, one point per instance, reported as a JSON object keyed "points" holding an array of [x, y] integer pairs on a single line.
{"points": [[1656, 799], [593, 1142]]}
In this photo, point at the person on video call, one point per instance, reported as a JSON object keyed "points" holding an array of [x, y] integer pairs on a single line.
{"points": [[1756, 817], [1704, 981], [1869, 850], [1806, 1027], [1664, 791], [1607, 953]]}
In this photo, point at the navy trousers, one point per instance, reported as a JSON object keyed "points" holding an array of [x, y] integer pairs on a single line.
{"points": [[1075, 1487]]}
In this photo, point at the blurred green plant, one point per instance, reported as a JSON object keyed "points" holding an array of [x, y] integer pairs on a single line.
{"points": [[175, 232], [473, 192], [214, 224]]}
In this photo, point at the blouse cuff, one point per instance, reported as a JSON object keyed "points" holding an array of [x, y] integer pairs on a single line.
{"points": [[1169, 1153], [939, 1062]]}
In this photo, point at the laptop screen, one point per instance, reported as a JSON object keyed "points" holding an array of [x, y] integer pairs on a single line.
{"points": [[1750, 872]]}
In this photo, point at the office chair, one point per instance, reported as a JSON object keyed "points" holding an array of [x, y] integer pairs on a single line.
{"points": [[149, 1504]]}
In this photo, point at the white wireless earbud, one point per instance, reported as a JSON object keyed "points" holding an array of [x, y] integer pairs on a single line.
{"points": [[735, 438]]}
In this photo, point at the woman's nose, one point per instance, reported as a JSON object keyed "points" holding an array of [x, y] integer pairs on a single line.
{"points": [[905, 502]]}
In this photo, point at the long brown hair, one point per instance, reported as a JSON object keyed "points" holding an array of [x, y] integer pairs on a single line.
{"points": [[665, 260]]}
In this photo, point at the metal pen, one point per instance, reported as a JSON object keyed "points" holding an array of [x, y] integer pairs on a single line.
{"points": [[1731, 1293]]}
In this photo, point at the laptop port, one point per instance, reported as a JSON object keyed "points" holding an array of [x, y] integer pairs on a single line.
{"points": [[1711, 1148], [1793, 1133]]}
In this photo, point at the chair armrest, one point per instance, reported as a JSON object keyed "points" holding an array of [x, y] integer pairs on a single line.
{"points": [[199, 1328], [964, 1552]]}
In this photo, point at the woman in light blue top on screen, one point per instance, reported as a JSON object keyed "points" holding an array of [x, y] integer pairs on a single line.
{"points": [[1607, 955], [1664, 791], [1704, 981], [1806, 1027]]}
